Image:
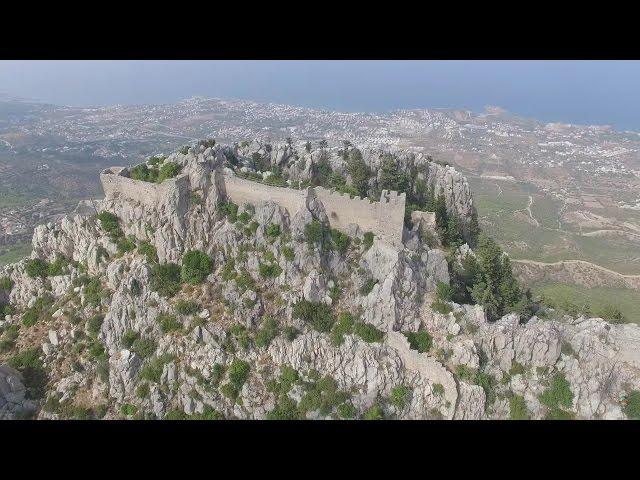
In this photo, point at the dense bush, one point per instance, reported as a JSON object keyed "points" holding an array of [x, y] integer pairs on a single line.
{"points": [[126, 244], [196, 265], [37, 267], [340, 240], [168, 170], [273, 231], [168, 323], [238, 373], [230, 210], [420, 340], [518, 408], [94, 325], [152, 371], [109, 223], [399, 396], [487, 279], [558, 397], [374, 412], [343, 326], [288, 253], [6, 283], [144, 347], [368, 332], [269, 270], [632, 405], [165, 279], [187, 307], [149, 251], [267, 332], [318, 315]]}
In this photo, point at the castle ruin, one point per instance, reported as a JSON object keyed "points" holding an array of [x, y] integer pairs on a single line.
{"points": [[385, 219]]}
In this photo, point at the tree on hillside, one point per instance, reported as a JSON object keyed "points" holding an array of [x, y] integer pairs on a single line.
{"points": [[391, 177], [359, 172]]}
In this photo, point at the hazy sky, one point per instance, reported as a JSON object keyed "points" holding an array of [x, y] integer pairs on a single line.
{"points": [[594, 92]]}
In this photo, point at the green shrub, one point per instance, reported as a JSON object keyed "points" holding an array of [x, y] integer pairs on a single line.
{"points": [[168, 323], [244, 217], [126, 244], [273, 231], [343, 326], [128, 410], [347, 411], [230, 209], [96, 351], [318, 315], [37, 267], [94, 325], [238, 373], [441, 307], [285, 409], [245, 281], [196, 265], [144, 347], [109, 223], [269, 270], [438, 389], [558, 395], [187, 307], [317, 234], [128, 338], [444, 291], [152, 371], [267, 333], [30, 317], [420, 340], [217, 372], [632, 405], [399, 396], [368, 240], [143, 390], [288, 253], [93, 292], [516, 369], [368, 332], [149, 251], [374, 412], [6, 283], [340, 241], [168, 170], [165, 279], [518, 408], [290, 333], [57, 267], [321, 394]]}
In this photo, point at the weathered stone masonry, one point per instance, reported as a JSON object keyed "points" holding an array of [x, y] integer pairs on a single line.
{"points": [[385, 219]]}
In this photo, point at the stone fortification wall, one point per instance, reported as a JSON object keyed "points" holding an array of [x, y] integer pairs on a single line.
{"points": [[242, 191], [117, 185], [343, 210], [385, 218]]}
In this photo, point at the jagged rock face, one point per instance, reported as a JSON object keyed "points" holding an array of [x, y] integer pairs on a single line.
{"points": [[470, 369], [14, 404]]}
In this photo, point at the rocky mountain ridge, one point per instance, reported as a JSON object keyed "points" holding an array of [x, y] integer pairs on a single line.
{"points": [[199, 308]]}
